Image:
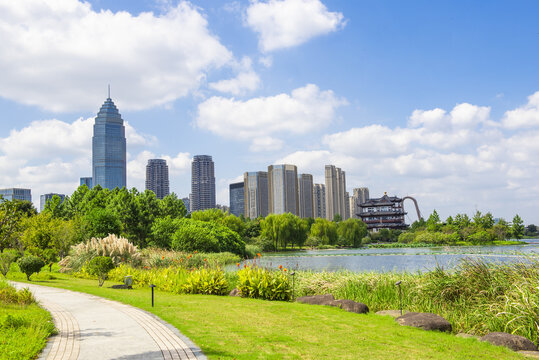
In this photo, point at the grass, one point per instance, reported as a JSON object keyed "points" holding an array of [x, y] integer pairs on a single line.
{"points": [[237, 328], [24, 328]]}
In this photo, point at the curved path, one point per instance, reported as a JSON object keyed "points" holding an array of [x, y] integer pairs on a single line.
{"points": [[90, 327]]}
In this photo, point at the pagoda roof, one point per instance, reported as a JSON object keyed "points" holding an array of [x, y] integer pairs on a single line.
{"points": [[384, 200]]}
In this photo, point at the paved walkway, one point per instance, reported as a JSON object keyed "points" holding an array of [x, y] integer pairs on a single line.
{"points": [[90, 327]]}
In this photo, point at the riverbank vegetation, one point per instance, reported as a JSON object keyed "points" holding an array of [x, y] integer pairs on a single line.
{"points": [[24, 326]]}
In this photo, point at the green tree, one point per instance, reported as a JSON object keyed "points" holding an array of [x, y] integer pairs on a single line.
{"points": [[162, 231], [517, 229], [171, 206], [433, 223], [325, 230], [55, 207], [337, 218], [30, 264], [12, 216], [351, 231], [100, 266], [462, 221], [100, 223]]}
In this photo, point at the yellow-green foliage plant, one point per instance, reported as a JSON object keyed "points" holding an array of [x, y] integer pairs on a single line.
{"points": [[206, 281], [260, 283], [168, 279]]}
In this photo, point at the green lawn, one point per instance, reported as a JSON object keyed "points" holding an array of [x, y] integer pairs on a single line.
{"points": [[237, 328], [24, 330]]}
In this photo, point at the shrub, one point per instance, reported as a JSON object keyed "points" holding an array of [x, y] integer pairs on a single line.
{"points": [[10, 295], [30, 264], [164, 258], [259, 283], [194, 235], [117, 248], [206, 281], [406, 237], [6, 259], [166, 279], [252, 250], [100, 267]]}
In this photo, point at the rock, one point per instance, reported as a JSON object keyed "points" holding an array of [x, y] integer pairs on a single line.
{"points": [[350, 306], [425, 321], [393, 313], [316, 299], [123, 286], [531, 354], [467, 336], [513, 342], [235, 292]]}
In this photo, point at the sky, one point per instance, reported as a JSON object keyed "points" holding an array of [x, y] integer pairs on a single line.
{"points": [[438, 100]]}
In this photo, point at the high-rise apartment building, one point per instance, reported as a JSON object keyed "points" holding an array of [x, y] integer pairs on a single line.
{"points": [[256, 193], [86, 181], [360, 195], [305, 190], [319, 200], [186, 203], [157, 177], [109, 148], [346, 205], [237, 202], [46, 197], [283, 189], [16, 194], [335, 192], [202, 183]]}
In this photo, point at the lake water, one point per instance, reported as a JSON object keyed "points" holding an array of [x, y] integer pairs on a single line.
{"points": [[403, 259]]}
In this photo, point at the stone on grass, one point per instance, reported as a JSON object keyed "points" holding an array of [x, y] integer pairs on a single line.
{"points": [[392, 313], [316, 299], [513, 342], [123, 286], [530, 354], [235, 292], [425, 321], [350, 306]]}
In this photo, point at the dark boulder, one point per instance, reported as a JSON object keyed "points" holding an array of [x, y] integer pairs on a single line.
{"points": [[316, 299], [513, 342], [425, 321], [350, 306], [123, 286], [235, 292]]}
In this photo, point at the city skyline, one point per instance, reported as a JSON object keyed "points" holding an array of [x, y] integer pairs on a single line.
{"points": [[443, 104]]}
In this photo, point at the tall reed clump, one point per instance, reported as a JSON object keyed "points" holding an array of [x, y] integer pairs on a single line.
{"points": [[119, 249]]}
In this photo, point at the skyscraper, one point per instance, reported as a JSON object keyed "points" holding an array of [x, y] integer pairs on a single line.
{"points": [[319, 200], [157, 177], [335, 192], [86, 181], [283, 189], [237, 203], [16, 194], [202, 183], [108, 148], [346, 205], [255, 197], [305, 190], [359, 196]]}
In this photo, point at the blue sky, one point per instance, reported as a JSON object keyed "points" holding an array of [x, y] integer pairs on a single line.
{"points": [[435, 99]]}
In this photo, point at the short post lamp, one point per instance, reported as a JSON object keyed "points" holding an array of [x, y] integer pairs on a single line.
{"points": [[398, 283], [152, 286], [293, 284]]}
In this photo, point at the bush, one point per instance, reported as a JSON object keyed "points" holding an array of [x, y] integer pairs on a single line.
{"points": [[256, 282], [406, 237], [100, 267], [251, 251], [206, 281], [194, 235], [165, 258], [10, 295], [30, 264], [6, 259]]}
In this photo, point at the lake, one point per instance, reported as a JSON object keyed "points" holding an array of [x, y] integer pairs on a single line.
{"points": [[400, 259]]}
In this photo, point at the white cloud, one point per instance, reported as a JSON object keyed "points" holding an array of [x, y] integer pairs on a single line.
{"points": [[247, 80], [526, 116], [453, 161], [265, 143], [287, 23], [305, 110], [61, 54]]}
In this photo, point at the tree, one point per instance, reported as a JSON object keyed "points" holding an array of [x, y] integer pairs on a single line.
{"points": [[531, 230], [100, 266], [325, 230], [162, 231], [30, 264], [433, 223], [55, 207], [351, 231], [171, 206], [337, 218], [517, 229], [12, 216], [100, 223]]}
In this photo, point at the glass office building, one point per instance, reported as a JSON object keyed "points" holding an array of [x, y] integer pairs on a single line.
{"points": [[16, 194], [108, 148], [236, 199]]}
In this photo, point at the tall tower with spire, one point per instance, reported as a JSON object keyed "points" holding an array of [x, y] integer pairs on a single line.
{"points": [[109, 147]]}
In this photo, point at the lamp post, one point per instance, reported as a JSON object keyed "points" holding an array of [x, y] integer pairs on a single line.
{"points": [[398, 283], [293, 284], [152, 286]]}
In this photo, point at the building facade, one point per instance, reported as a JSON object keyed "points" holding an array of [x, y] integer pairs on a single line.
{"points": [[16, 194], [157, 177], [186, 203], [86, 181], [256, 194], [46, 197], [283, 189], [346, 205], [109, 148], [305, 189], [319, 201], [202, 183], [383, 213], [335, 192], [237, 201], [360, 195]]}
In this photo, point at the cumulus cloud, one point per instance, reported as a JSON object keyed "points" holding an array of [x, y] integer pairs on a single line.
{"points": [[265, 143], [61, 54], [456, 160], [247, 80], [287, 23], [306, 109], [526, 116]]}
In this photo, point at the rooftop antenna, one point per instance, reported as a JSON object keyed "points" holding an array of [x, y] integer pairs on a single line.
{"points": [[109, 91]]}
